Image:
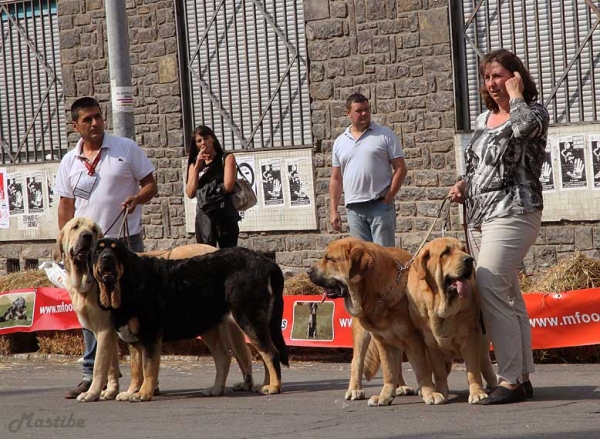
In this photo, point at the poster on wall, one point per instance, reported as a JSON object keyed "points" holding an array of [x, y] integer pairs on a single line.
{"points": [[50, 178], [572, 159], [297, 170], [547, 177], [595, 149], [247, 169], [16, 199], [271, 182], [35, 193], [4, 212]]}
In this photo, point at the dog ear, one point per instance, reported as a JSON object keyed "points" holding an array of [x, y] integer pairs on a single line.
{"points": [[360, 262], [104, 296], [115, 298], [58, 251], [421, 264]]}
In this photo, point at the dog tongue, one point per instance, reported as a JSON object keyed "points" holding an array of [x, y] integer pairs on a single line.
{"points": [[324, 296], [462, 287]]}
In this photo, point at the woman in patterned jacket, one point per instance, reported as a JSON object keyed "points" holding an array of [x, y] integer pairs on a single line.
{"points": [[504, 203]]}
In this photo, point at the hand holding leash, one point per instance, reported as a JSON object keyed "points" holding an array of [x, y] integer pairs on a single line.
{"points": [[457, 191], [130, 203]]}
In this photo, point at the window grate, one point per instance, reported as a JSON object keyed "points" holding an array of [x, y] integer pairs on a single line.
{"points": [[557, 40], [247, 71], [32, 119], [13, 266]]}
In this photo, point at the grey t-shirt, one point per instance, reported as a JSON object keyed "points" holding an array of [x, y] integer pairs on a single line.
{"points": [[365, 163]]}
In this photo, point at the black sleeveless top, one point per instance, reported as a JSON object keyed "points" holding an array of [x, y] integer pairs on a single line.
{"points": [[214, 171]]}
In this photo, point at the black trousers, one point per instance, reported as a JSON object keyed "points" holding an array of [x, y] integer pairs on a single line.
{"points": [[225, 233]]}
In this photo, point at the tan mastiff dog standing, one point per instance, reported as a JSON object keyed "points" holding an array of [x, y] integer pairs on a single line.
{"points": [[444, 305], [372, 282]]}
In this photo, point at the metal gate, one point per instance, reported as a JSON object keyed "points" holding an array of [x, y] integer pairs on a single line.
{"points": [[246, 71], [32, 120], [556, 39]]}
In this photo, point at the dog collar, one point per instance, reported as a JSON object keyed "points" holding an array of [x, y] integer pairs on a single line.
{"points": [[401, 269]]}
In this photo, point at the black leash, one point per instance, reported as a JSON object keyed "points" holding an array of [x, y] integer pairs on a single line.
{"points": [[124, 230]]}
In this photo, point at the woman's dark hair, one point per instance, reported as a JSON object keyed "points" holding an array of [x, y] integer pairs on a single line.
{"points": [[202, 131], [512, 63]]}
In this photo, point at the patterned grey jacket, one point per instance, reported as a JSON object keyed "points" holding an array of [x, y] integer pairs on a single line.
{"points": [[504, 164]]}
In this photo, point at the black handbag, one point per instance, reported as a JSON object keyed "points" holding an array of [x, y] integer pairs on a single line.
{"points": [[216, 203]]}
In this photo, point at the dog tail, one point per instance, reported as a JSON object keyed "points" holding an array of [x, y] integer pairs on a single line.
{"points": [[277, 280], [372, 361]]}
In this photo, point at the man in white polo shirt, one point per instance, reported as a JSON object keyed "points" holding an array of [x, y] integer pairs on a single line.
{"points": [[97, 179], [368, 165]]}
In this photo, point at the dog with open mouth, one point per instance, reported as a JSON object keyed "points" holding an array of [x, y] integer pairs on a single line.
{"points": [[73, 247], [143, 294], [444, 306], [372, 281]]}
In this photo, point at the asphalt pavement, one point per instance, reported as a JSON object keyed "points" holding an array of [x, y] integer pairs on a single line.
{"points": [[312, 405]]}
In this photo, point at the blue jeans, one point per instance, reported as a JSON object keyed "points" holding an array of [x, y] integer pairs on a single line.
{"points": [[373, 221], [89, 356]]}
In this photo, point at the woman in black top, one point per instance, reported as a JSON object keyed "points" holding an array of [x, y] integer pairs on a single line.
{"points": [[208, 164]]}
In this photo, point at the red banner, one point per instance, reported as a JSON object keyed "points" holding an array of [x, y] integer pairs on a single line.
{"points": [[36, 309], [557, 319]]}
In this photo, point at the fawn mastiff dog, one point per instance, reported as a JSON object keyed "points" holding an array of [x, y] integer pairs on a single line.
{"points": [[372, 282], [74, 243], [444, 306], [144, 296]]}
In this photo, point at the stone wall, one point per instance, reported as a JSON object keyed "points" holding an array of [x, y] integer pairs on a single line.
{"points": [[396, 52]]}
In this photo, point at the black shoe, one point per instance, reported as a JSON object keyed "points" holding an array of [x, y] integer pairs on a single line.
{"points": [[83, 386], [528, 389], [502, 395]]}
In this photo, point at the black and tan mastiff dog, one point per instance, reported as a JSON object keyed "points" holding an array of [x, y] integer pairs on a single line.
{"points": [[74, 244], [371, 280], [145, 295]]}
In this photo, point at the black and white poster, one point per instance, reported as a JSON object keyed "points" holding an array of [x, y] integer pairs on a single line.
{"points": [[572, 160], [50, 178], [595, 148], [298, 179], [16, 199], [35, 192], [547, 177], [271, 182]]}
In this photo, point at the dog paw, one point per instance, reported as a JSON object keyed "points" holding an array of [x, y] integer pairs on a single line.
{"points": [[88, 397], [214, 391], [269, 390], [109, 394], [377, 401], [140, 397], [354, 395], [404, 391], [246, 386], [123, 396], [434, 398], [476, 398]]}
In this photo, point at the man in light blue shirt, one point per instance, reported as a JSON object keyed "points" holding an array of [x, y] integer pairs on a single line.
{"points": [[368, 166]]}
